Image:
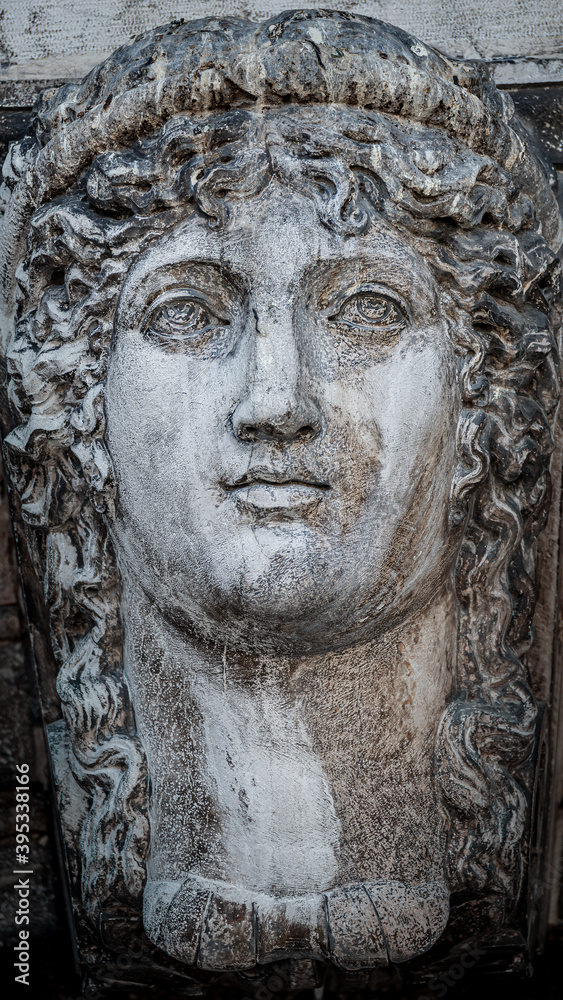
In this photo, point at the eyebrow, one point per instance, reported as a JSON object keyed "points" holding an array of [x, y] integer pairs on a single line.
{"points": [[213, 248]]}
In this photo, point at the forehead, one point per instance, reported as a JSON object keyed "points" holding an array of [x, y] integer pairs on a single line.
{"points": [[277, 239]]}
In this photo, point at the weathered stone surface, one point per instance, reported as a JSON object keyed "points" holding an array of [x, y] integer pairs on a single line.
{"points": [[56, 39], [281, 319]]}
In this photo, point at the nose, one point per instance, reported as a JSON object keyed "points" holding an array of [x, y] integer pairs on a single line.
{"points": [[276, 405]]}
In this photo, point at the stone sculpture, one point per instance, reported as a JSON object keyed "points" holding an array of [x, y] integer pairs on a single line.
{"points": [[280, 318]]}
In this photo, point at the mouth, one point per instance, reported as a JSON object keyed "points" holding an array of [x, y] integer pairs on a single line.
{"points": [[270, 494]]}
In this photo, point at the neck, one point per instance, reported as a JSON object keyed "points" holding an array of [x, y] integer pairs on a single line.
{"points": [[292, 775]]}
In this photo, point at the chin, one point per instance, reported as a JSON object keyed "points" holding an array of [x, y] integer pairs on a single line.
{"points": [[284, 616]]}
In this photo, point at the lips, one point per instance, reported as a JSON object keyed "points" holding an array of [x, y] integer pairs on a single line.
{"points": [[270, 494]]}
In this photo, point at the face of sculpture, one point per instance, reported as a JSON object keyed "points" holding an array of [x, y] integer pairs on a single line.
{"points": [[280, 406]]}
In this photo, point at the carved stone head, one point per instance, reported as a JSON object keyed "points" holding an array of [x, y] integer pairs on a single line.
{"points": [[280, 308]]}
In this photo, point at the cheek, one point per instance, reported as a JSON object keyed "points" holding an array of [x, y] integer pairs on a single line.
{"points": [[419, 413], [404, 413], [416, 412], [161, 423]]}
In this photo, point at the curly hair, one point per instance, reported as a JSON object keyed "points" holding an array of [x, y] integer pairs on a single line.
{"points": [[454, 175]]}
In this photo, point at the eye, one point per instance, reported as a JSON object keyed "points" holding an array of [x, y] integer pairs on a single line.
{"points": [[182, 316], [370, 310]]}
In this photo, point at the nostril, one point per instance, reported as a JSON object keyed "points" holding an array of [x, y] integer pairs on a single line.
{"points": [[270, 419], [245, 432], [269, 432], [307, 432]]}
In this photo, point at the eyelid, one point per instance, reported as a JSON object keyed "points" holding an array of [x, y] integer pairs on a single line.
{"points": [[182, 293], [340, 299]]}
